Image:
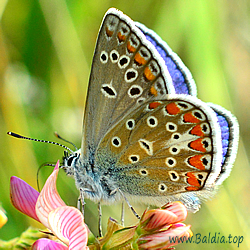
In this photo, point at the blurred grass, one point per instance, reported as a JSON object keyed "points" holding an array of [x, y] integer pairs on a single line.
{"points": [[46, 49]]}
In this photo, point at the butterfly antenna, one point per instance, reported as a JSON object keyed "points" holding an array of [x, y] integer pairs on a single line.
{"points": [[37, 174], [59, 137], [37, 140]]}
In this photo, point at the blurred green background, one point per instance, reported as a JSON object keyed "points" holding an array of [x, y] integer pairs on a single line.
{"points": [[46, 49]]}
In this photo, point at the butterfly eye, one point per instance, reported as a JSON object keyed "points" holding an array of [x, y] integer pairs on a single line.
{"points": [[70, 160]]}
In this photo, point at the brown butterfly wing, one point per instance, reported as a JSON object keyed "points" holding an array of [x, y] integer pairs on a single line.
{"points": [[165, 147]]}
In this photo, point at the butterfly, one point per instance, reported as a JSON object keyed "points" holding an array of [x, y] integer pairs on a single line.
{"points": [[146, 136]]}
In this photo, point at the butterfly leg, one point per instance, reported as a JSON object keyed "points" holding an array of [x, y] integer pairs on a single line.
{"points": [[81, 202], [133, 210], [122, 215], [100, 219]]}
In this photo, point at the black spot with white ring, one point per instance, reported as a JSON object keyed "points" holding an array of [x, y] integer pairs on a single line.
{"points": [[171, 127], [104, 57], [199, 115], [146, 145], [130, 124], [176, 136], [135, 91], [123, 61], [183, 105], [170, 162], [108, 91], [130, 75], [162, 187], [143, 172], [173, 175], [174, 150], [116, 142], [134, 158], [152, 121], [114, 56]]}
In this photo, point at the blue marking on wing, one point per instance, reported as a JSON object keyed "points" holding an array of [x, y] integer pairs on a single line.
{"points": [[182, 79]]}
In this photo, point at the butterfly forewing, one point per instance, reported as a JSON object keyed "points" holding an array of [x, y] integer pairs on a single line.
{"points": [[126, 71], [182, 78], [167, 144]]}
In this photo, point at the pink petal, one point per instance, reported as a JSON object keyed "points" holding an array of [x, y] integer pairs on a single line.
{"points": [[178, 209], [158, 218], [161, 240], [49, 198], [68, 225], [46, 244], [23, 197]]}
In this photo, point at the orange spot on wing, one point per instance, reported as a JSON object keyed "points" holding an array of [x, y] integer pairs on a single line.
{"points": [[192, 180], [197, 130], [196, 162], [197, 145], [154, 105], [121, 37], [153, 91], [148, 74], [192, 188], [139, 59], [189, 117], [172, 108], [130, 48], [109, 32]]}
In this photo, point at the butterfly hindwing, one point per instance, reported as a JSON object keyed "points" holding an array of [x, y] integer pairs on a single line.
{"points": [[229, 136], [167, 144]]}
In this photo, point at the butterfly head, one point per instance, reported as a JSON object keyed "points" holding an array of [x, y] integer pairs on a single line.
{"points": [[69, 161]]}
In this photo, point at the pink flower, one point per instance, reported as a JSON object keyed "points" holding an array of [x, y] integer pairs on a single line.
{"points": [[156, 219], [66, 223], [160, 228], [175, 234]]}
